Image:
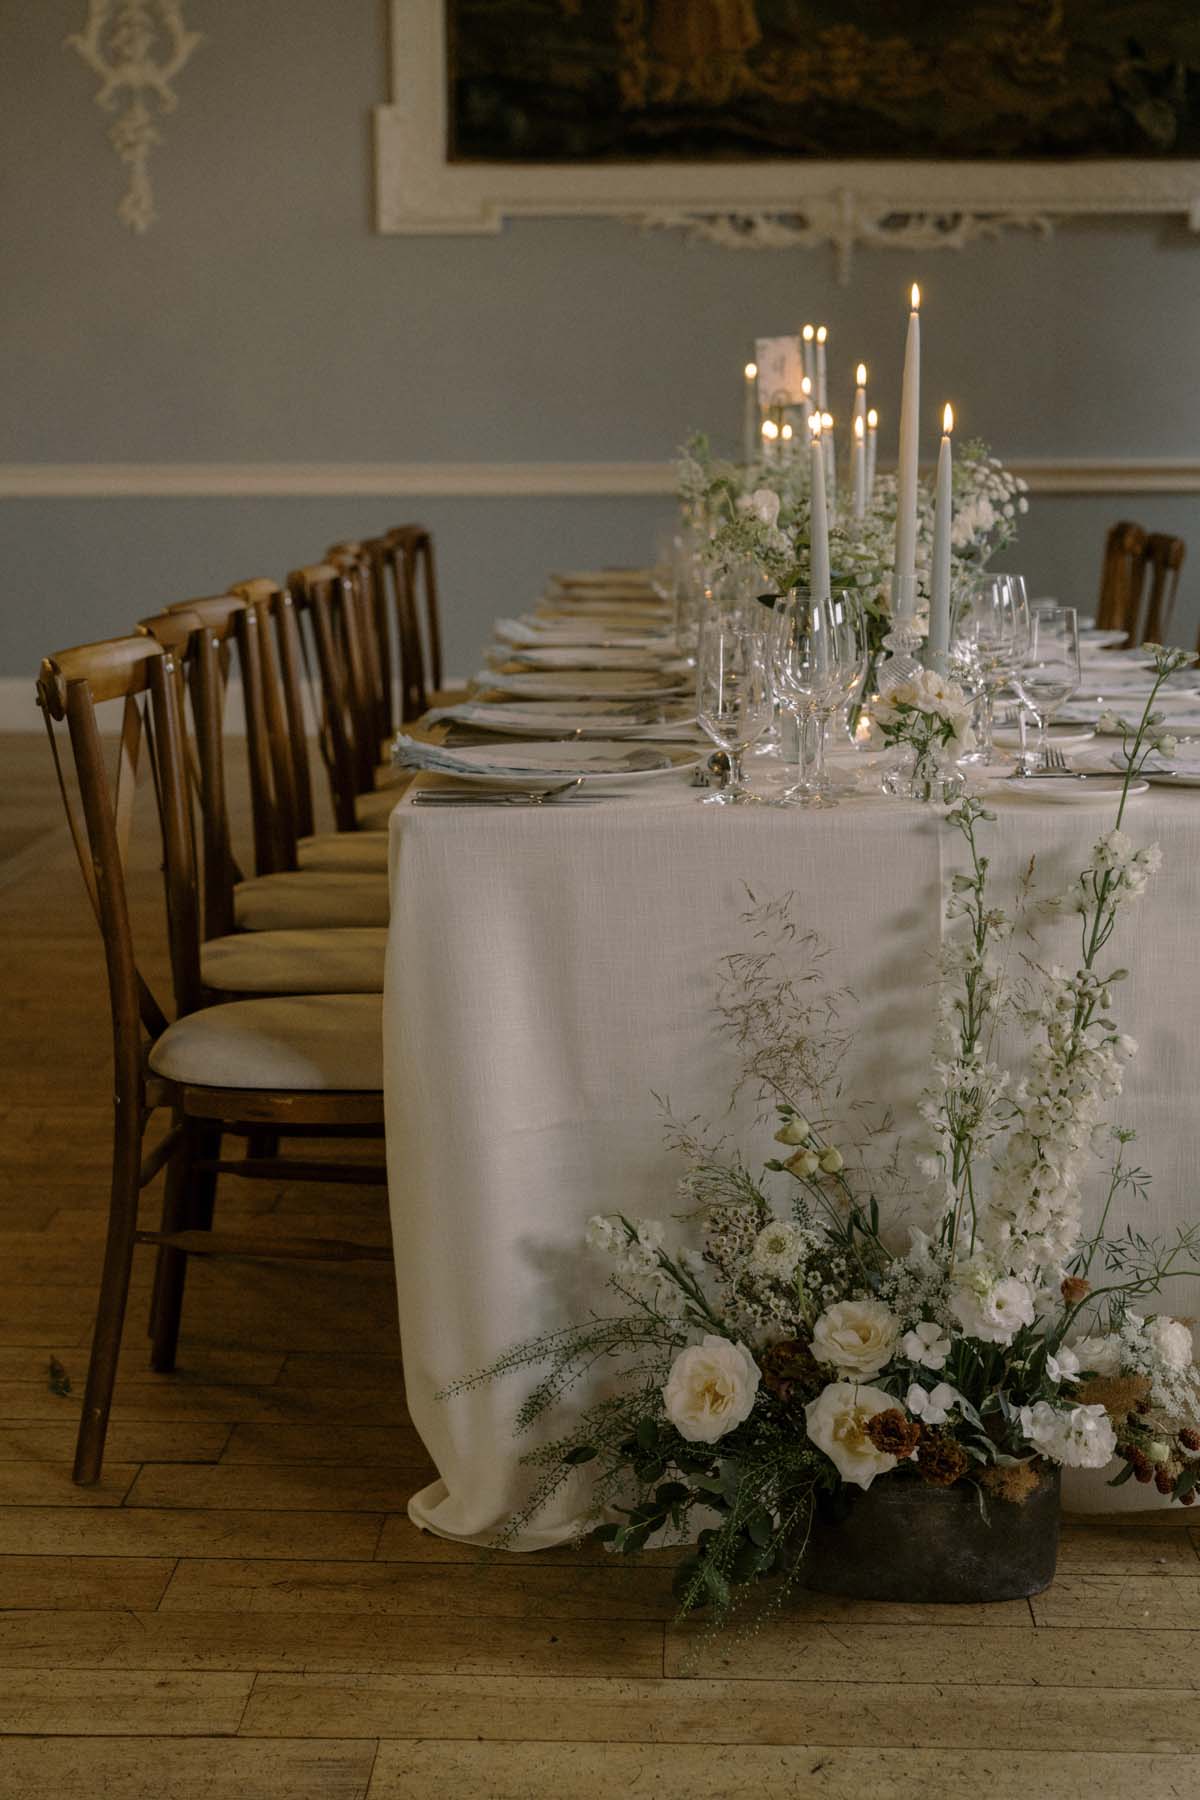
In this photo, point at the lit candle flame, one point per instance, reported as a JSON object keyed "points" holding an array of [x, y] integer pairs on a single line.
{"points": [[826, 421], [859, 427], [860, 375], [814, 424], [916, 297], [770, 429], [750, 371], [806, 385], [786, 433], [948, 419], [822, 334], [808, 334], [872, 418]]}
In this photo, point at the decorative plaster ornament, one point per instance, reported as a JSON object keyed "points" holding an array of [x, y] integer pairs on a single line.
{"points": [[137, 48]]}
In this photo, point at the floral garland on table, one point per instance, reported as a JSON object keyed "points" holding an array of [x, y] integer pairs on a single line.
{"points": [[759, 514], [762, 1358]]}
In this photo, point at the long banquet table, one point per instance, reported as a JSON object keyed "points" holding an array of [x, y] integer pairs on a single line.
{"points": [[552, 970]]}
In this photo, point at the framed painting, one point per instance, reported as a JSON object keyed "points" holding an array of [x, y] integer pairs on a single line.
{"points": [[765, 122]]}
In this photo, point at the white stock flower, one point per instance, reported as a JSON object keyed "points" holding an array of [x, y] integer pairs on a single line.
{"points": [[1082, 1438], [1171, 1340], [711, 1389], [1100, 1354], [605, 1234], [857, 1337], [993, 1311], [837, 1421], [932, 1407], [926, 1345]]}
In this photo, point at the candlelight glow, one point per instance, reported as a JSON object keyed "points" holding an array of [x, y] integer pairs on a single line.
{"points": [[750, 371], [860, 375], [814, 424], [806, 386], [770, 429], [826, 421], [822, 334], [859, 427], [872, 417], [916, 297], [786, 433], [808, 334], [948, 418]]}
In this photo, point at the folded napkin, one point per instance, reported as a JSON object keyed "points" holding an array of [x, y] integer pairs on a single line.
{"points": [[579, 657], [656, 720], [583, 684], [544, 634], [519, 761]]}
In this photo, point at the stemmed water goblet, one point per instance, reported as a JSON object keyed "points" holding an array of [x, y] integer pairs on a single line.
{"points": [[734, 698], [989, 642], [1049, 674], [817, 657]]}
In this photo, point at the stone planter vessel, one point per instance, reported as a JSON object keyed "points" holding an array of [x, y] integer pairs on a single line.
{"points": [[902, 1540]]}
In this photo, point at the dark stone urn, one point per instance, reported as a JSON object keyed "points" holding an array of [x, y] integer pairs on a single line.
{"points": [[902, 1540]]}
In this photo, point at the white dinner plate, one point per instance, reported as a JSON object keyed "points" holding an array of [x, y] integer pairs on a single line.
{"points": [[580, 656], [1098, 636], [1097, 790], [601, 578], [1183, 774], [1062, 737], [566, 634], [593, 684], [586, 718], [531, 766]]}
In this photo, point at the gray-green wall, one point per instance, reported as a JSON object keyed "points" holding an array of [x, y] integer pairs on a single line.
{"points": [[263, 319]]}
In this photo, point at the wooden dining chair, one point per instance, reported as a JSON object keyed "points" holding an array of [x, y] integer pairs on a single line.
{"points": [[275, 897], [1122, 579], [1163, 560], [308, 1065]]}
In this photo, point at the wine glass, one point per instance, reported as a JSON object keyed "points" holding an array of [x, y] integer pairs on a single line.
{"points": [[734, 700], [1049, 674], [989, 641], [817, 658]]}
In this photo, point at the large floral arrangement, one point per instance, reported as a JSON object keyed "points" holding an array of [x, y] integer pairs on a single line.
{"points": [[758, 515], [778, 1343]]}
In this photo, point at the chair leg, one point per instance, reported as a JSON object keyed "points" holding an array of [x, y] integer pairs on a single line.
{"points": [[187, 1205], [110, 1307]]}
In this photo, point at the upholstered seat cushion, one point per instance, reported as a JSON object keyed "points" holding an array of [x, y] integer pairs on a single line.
{"points": [[345, 852], [310, 899], [374, 810], [311, 1042], [338, 961]]}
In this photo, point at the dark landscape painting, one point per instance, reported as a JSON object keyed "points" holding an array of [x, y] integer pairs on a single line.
{"points": [[593, 80]]}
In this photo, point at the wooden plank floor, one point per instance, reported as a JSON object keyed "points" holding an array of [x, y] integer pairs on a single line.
{"points": [[243, 1612]]}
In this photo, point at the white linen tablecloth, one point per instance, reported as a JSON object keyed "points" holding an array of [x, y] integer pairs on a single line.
{"points": [[551, 970]]}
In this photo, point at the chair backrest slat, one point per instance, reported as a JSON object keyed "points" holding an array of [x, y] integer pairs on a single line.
{"points": [[1121, 580], [1164, 560]]}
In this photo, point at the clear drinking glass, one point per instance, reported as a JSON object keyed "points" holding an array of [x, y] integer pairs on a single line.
{"points": [[817, 656], [989, 642], [1049, 674], [734, 700]]}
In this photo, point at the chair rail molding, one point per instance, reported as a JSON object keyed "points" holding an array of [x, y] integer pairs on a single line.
{"points": [[137, 48], [495, 480], [742, 206]]}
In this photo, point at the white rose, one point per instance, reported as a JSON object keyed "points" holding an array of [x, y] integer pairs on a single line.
{"points": [[996, 1314], [856, 1336], [837, 1421], [764, 504], [1082, 1438], [1102, 1355], [710, 1389], [1171, 1340]]}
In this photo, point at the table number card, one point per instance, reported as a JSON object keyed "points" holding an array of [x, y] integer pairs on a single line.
{"points": [[780, 371]]}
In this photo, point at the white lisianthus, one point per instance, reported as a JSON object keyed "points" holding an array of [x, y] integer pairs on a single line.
{"points": [[857, 1337], [1065, 1366], [993, 1312], [1102, 1355], [711, 1389], [932, 1407], [764, 504], [778, 1248], [1171, 1341], [1082, 1438], [794, 1131], [926, 1345], [837, 1421]]}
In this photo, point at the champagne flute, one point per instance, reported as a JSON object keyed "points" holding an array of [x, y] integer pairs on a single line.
{"points": [[1049, 674], [734, 700], [816, 662]]}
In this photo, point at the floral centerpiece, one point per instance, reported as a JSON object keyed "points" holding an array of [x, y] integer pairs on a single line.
{"points": [[931, 718], [931, 1314]]}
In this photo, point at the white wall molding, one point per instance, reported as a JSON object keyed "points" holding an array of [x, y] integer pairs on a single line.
{"points": [[549, 480]]}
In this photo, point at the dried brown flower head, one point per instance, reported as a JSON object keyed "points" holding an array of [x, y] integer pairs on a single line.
{"points": [[1119, 1395], [789, 1367], [1075, 1288], [1014, 1481], [1188, 1499], [1190, 1438], [939, 1459], [893, 1433], [1164, 1478]]}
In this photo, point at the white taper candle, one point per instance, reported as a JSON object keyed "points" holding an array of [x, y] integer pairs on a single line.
{"points": [[818, 579], [910, 421], [938, 644]]}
